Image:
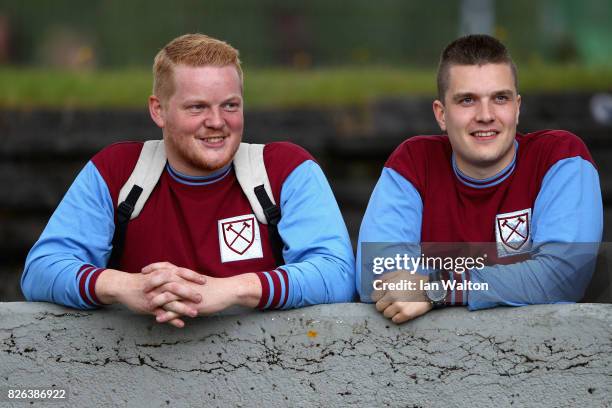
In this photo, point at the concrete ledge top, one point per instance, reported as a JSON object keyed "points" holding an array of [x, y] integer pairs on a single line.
{"points": [[327, 355]]}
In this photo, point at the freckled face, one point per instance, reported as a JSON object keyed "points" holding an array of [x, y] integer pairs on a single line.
{"points": [[203, 120], [480, 113]]}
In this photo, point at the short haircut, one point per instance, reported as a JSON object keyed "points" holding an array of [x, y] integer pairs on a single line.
{"points": [[472, 50], [194, 50]]}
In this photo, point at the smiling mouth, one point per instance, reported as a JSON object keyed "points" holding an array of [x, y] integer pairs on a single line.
{"points": [[212, 139], [484, 134]]}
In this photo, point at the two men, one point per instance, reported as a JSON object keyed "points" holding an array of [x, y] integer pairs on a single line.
{"points": [[196, 247], [481, 182], [535, 196]]}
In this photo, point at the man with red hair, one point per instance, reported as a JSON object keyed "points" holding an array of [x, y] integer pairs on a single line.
{"points": [[196, 247]]}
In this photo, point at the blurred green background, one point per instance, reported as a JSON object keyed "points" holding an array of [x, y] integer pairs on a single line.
{"points": [[296, 53]]}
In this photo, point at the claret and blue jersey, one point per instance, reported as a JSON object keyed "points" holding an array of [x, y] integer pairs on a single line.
{"points": [[202, 223], [543, 212]]}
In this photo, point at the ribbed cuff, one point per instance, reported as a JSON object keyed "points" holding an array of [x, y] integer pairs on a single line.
{"points": [[458, 293], [86, 281], [274, 289]]}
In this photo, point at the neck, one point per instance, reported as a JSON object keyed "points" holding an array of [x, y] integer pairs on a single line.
{"points": [[481, 173], [484, 171], [185, 178]]}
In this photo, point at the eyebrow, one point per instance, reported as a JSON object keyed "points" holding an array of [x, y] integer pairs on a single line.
{"points": [[461, 95], [504, 92], [204, 101]]}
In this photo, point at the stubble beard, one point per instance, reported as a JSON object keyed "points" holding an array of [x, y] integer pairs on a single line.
{"points": [[190, 154]]}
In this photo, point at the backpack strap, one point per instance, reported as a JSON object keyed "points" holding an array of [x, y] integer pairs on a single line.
{"points": [[146, 174], [251, 175], [253, 178], [251, 172], [136, 191]]}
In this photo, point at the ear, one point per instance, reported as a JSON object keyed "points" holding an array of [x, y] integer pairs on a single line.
{"points": [[518, 108], [156, 111], [438, 110]]}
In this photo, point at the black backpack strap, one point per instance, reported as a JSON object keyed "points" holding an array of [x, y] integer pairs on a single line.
{"points": [[124, 212], [273, 216]]}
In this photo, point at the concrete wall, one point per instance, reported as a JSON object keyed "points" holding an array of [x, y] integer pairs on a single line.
{"points": [[330, 355]]}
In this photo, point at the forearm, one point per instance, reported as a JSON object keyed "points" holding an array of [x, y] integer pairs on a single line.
{"points": [[248, 289], [60, 279], [217, 294], [319, 279], [320, 265], [63, 265], [110, 285], [561, 274], [391, 225]]}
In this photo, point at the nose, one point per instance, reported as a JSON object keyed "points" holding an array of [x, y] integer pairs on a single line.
{"points": [[214, 119], [485, 113]]}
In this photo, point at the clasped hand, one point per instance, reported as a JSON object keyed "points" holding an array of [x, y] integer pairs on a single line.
{"points": [[172, 292], [403, 304]]}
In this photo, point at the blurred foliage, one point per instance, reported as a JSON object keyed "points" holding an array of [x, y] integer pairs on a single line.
{"points": [[35, 88], [296, 33], [98, 53]]}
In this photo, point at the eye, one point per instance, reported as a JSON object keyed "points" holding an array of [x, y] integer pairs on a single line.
{"points": [[468, 100], [195, 108], [502, 98], [231, 106]]}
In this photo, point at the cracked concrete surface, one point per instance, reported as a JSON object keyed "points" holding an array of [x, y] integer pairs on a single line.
{"points": [[329, 355]]}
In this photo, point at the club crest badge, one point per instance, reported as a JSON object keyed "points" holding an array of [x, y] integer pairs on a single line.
{"points": [[239, 238], [513, 232]]}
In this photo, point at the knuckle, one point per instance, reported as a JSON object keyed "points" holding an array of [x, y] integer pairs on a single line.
{"points": [[176, 308], [154, 282], [157, 300]]}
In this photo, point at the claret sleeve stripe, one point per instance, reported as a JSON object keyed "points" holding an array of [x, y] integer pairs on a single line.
{"points": [[280, 296], [83, 285], [271, 286], [83, 269], [276, 282], [457, 294], [275, 288], [86, 278], [285, 281], [266, 283], [92, 285]]}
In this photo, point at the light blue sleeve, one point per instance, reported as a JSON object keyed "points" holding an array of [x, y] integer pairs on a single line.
{"points": [[394, 216], [318, 253], [567, 229], [79, 233]]}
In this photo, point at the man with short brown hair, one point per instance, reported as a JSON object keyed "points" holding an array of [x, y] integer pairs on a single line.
{"points": [[535, 197]]}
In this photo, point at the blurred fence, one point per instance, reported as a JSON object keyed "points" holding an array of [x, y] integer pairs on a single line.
{"points": [[115, 33]]}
